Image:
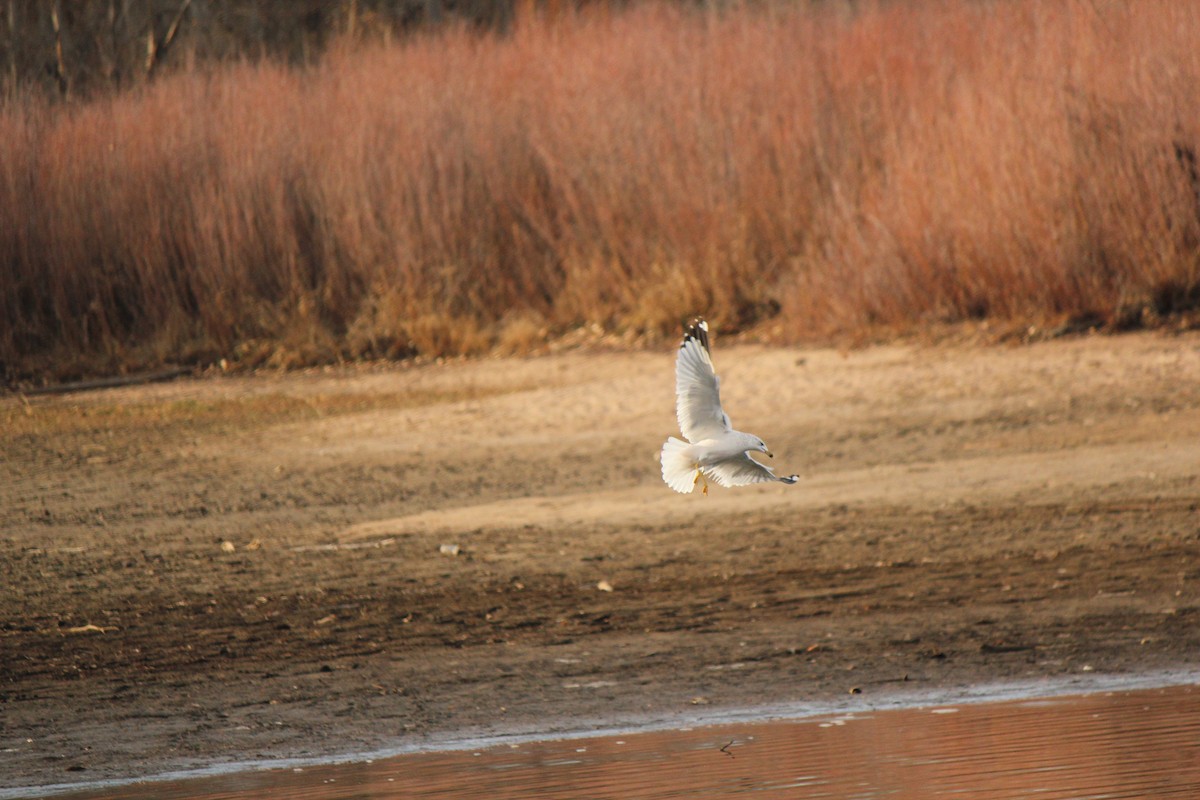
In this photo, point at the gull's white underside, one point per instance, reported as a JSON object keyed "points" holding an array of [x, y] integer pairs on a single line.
{"points": [[713, 450]]}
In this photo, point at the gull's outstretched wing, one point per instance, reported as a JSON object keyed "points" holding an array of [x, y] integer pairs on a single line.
{"points": [[743, 470], [697, 388]]}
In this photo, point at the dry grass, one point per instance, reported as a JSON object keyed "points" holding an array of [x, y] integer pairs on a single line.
{"points": [[27, 422], [810, 170]]}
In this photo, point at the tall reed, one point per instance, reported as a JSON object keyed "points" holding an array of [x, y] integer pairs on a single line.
{"points": [[809, 168]]}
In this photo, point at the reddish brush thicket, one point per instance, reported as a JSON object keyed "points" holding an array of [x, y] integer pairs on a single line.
{"points": [[809, 169]]}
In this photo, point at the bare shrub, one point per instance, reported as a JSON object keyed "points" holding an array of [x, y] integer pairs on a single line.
{"points": [[824, 167]]}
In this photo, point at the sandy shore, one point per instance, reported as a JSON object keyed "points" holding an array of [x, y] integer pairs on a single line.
{"points": [[216, 570]]}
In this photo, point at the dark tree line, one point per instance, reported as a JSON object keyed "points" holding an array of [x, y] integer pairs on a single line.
{"points": [[79, 47]]}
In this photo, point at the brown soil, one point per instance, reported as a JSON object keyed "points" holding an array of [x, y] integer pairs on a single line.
{"points": [[229, 568]]}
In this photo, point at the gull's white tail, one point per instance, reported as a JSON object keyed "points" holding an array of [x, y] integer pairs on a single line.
{"points": [[678, 468]]}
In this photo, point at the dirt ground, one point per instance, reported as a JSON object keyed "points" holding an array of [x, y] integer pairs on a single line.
{"points": [[221, 569]]}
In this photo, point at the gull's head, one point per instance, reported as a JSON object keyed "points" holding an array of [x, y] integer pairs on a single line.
{"points": [[762, 447]]}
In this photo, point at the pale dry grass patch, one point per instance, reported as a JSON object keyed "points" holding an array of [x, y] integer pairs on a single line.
{"points": [[522, 333]]}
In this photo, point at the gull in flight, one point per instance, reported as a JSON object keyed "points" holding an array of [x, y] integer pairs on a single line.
{"points": [[713, 448]]}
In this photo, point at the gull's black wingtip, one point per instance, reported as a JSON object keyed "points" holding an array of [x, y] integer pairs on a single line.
{"points": [[696, 329]]}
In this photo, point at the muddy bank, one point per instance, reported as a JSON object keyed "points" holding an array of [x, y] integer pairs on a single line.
{"points": [[293, 565]]}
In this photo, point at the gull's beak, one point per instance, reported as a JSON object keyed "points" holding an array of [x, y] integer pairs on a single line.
{"points": [[769, 454]]}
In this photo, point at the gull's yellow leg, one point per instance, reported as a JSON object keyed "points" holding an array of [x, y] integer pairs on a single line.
{"points": [[700, 477]]}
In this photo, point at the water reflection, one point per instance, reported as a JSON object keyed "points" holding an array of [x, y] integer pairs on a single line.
{"points": [[1115, 745]]}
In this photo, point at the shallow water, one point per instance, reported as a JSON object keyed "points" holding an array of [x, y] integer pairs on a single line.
{"points": [[1111, 745]]}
